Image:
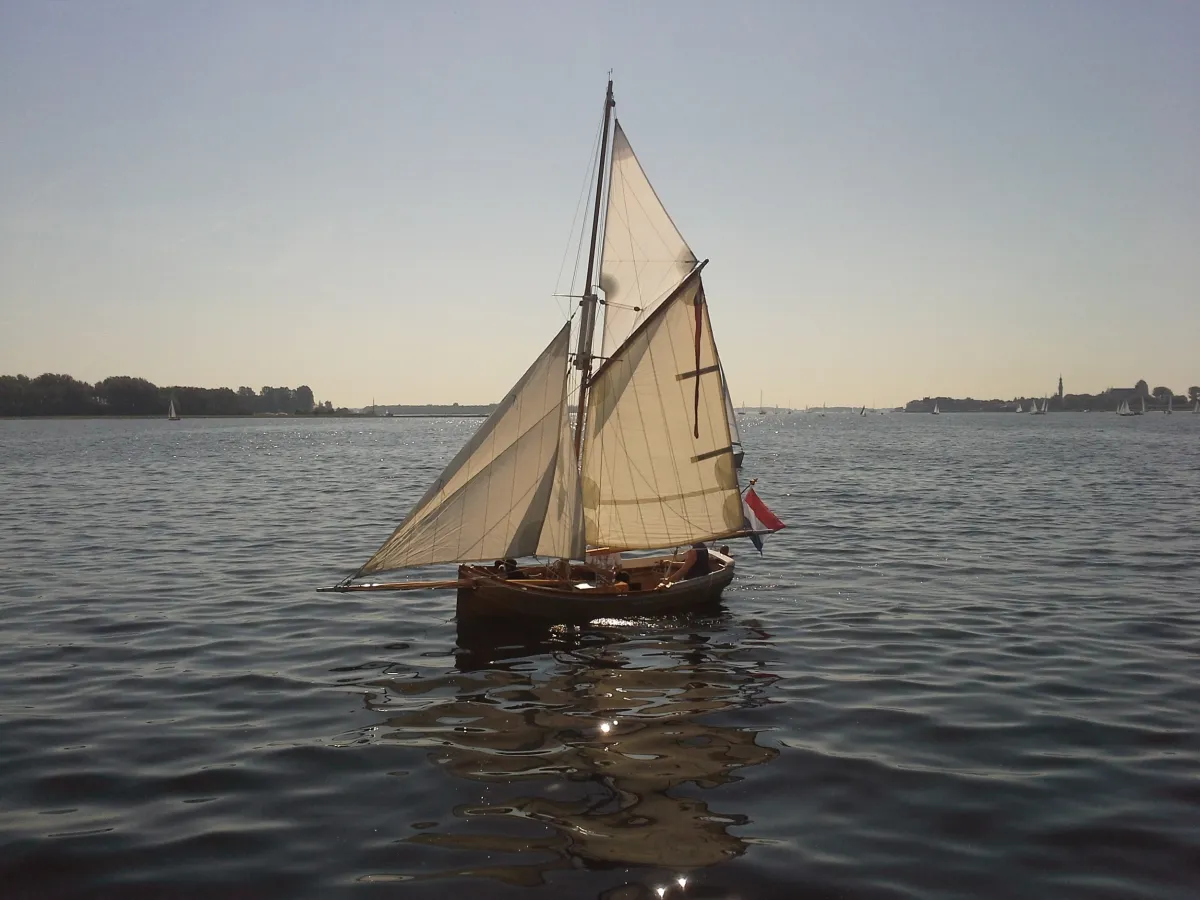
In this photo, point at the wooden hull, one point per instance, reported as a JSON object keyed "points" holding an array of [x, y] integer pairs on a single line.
{"points": [[491, 596]]}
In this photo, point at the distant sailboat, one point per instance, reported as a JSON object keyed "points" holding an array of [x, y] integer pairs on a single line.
{"points": [[1125, 410], [1019, 408], [936, 411], [1170, 403], [172, 415], [863, 411], [1035, 410], [1196, 408]]}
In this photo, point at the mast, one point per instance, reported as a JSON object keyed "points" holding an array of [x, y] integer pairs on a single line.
{"points": [[587, 321]]}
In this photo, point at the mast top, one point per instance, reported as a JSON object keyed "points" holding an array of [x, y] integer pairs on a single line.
{"points": [[587, 320]]}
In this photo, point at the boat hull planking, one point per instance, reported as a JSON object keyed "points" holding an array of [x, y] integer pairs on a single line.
{"points": [[493, 596]]}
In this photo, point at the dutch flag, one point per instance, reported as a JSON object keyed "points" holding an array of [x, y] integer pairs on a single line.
{"points": [[759, 519]]}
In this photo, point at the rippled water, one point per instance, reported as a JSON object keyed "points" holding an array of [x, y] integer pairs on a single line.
{"points": [[970, 667]]}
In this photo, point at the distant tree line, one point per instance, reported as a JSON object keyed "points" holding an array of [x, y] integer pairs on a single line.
{"points": [[121, 395], [1107, 401]]}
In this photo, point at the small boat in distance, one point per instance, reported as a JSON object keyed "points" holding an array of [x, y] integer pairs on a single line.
{"points": [[1019, 409], [1123, 409], [1170, 403], [1042, 410], [936, 411], [172, 415], [647, 468]]}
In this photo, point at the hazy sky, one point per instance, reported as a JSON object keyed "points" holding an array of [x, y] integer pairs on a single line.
{"points": [[899, 199]]}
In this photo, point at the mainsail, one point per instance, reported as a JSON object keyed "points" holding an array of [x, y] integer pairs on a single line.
{"points": [[657, 467], [511, 491], [644, 255]]}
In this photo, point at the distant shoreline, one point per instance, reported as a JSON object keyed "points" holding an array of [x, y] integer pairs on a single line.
{"points": [[335, 415]]}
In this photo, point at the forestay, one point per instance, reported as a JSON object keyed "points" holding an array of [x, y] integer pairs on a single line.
{"points": [[511, 491], [658, 468], [644, 255]]}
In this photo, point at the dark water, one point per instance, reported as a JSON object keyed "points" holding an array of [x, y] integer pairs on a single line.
{"points": [[970, 667]]}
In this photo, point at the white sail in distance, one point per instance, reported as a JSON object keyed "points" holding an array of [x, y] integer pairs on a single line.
{"points": [[511, 491], [657, 468], [644, 256]]}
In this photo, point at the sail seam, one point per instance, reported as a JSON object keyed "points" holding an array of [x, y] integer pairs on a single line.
{"points": [[685, 495]]}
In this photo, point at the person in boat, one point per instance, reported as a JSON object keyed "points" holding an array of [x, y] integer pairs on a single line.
{"points": [[511, 572], [695, 563], [621, 582]]}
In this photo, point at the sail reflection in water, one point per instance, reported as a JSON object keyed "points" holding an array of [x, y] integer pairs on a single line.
{"points": [[591, 738]]}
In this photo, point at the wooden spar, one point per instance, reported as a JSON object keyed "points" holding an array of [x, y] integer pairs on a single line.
{"points": [[587, 320], [422, 585]]}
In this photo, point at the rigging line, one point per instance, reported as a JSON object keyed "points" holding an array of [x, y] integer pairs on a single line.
{"points": [[575, 218], [661, 206], [630, 467], [637, 279], [678, 366]]}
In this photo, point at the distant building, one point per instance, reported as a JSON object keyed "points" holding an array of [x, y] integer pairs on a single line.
{"points": [[1060, 389]]}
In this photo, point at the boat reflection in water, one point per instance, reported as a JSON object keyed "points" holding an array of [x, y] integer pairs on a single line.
{"points": [[594, 738]]}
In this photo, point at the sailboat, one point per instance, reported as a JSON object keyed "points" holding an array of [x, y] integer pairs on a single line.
{"points": [[1196, 408], [936, 411], [1019, 409], [172, 415], [863, 411], [647, 466], [1040, 411], [1124, 408], [1170, 403]]}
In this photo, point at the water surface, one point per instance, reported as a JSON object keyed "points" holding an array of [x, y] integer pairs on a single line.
{"points": [[967, 668]]}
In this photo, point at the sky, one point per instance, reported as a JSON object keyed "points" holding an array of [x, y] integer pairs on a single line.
{"points": [[898, 199]]}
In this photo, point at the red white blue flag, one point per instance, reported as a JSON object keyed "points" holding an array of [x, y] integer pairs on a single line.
{"points": [[759, 519]]}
